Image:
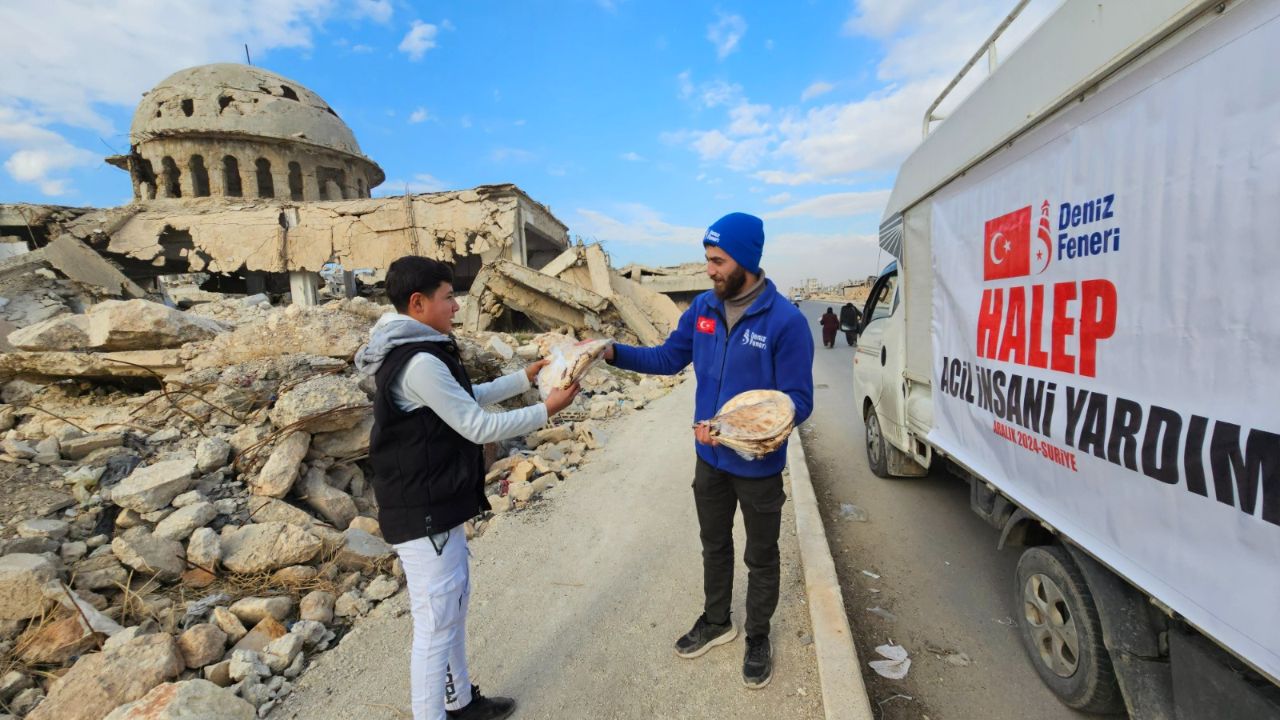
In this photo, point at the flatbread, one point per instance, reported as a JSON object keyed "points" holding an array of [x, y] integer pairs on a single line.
{"points": [[754, 423]]}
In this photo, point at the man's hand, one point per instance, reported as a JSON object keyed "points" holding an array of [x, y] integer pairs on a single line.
{"points": [[702, 432], [608, 354], [561, 399], [531, 372]]}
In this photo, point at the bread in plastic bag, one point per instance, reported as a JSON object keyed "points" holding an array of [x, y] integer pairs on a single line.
{"points": [[569, 364]]}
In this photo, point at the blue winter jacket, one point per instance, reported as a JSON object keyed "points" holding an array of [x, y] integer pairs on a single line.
{"points": [[771, 348]]}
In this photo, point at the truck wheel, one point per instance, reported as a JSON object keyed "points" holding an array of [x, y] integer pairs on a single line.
{"points": [[1062, 634], [877, 449]]}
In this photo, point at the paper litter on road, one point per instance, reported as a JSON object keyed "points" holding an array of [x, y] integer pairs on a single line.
{"points": [[896, 664], [849, 511], [871, 575], [882, 613]]}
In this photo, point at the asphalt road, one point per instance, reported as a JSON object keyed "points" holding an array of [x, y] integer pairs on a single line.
{"points": [[944, 592]]}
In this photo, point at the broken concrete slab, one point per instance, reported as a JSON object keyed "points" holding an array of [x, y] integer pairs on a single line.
{"points": [[144, 325], [128, 364], [75, 260]]}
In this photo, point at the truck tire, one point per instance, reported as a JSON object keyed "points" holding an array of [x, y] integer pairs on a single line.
{"points": [[1061, 632], [877, 447]]}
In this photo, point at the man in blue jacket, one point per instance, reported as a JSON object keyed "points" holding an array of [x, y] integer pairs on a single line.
{"points": [[741, 336]]}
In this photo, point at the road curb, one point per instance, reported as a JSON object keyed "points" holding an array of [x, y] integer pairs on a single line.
{"points": [[844, 696]]}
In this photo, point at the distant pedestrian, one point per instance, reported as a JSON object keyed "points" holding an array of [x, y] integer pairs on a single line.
{"points": [[850, 318], [830, 323]]}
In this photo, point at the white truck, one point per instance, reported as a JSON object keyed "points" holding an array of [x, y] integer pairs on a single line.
{"points": [[1082, 320]]}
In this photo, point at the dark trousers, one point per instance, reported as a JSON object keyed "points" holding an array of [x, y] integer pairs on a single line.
{"points": [[717, 495]]}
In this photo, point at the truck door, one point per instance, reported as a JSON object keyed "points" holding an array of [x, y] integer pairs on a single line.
{"points": [[871, 359]]}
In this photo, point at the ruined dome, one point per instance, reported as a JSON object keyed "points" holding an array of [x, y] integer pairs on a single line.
{"points": [[227, 98], [235, 131]]}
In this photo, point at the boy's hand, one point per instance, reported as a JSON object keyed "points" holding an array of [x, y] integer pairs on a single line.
{"points": [[531, 372], [561, 399]]}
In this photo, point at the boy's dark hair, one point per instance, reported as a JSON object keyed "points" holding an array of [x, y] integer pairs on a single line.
{"points": [[415, 274]]}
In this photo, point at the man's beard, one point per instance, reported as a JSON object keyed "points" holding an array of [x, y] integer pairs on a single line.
{"points": [[731, 286]]}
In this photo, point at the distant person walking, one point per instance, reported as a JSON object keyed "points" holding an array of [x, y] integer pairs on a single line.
{"points": [[830, 323], [849, 320]]}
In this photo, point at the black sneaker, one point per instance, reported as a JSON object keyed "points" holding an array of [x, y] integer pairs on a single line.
{"points": [[757, 664], [484, 708], [703, 637]]}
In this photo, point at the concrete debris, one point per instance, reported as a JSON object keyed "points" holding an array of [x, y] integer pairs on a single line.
{"points": [[577, 289], [194, 698]]}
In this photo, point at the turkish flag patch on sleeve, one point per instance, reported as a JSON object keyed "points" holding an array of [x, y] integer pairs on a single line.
{"points": [[707, 325]]}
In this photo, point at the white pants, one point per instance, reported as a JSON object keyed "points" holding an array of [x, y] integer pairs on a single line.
{"points": [[438, 575]]}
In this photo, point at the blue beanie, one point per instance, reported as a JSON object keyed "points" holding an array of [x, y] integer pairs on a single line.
{"points": [[741, 236]]}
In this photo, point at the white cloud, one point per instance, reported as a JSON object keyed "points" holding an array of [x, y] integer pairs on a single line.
{"points": [[420, 38], [41, 166], [778, 199], [791, 257], [712, 145], [503, 154], [376, 10], [834, 205], [419, 115], [745, 119], [638, 224], [64, 59], [421, 183], [362, 48], [631, 157], [685, 85], [725, 34], [925, 43], [816, 89]]}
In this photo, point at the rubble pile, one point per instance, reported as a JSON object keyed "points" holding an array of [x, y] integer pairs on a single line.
{"points": [[186, 528], [577, 289]]}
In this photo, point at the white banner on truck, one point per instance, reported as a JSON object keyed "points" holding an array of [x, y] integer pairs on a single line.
{"points": [[1107, 327]]}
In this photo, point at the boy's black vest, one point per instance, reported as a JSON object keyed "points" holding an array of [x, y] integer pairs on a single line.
{"points": [[427, 477]]}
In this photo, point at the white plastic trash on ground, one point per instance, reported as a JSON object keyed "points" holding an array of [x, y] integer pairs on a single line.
{"points": [[896, 663]]}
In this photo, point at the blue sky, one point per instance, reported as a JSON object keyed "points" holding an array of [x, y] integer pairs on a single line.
{"points": [[638, 122]]}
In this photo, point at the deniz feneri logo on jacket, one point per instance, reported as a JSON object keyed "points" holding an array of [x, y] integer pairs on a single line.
{"points": [[755, 340]]}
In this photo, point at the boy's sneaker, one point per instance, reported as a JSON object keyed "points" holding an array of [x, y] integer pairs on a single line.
{"points": [[484, 708], [757, 664], [703, 637]]}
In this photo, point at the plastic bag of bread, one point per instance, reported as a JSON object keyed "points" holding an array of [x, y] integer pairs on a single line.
{"points": [[569, 363], [754, 423]]}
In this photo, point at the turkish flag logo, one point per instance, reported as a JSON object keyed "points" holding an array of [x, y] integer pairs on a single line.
{"points": [[1008, 246], [707, 325]]}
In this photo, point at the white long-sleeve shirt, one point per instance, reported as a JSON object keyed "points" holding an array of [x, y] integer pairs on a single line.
{"points": [[427, 382]]}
